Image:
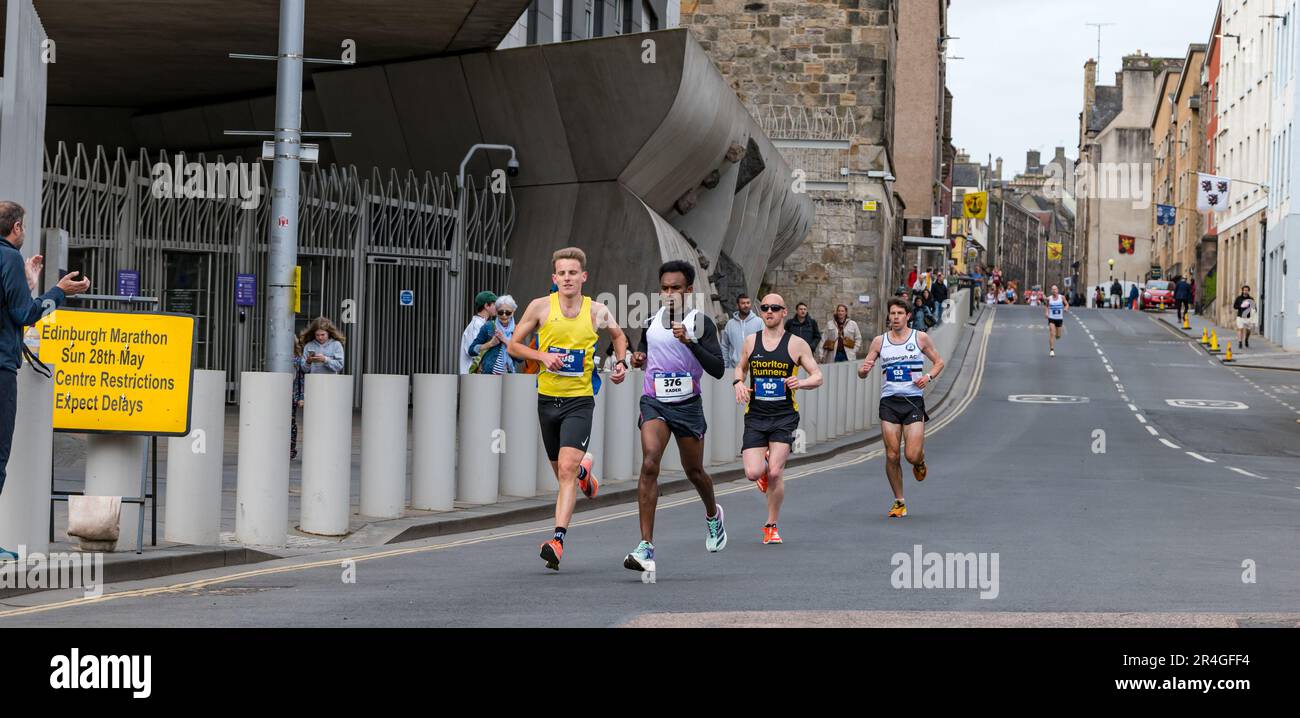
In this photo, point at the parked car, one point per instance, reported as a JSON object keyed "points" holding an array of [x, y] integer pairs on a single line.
{"points": [[1159, 294]]}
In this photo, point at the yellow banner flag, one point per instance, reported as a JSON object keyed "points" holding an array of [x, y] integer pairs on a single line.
{"points": [[975, 205], [1053, 251]]}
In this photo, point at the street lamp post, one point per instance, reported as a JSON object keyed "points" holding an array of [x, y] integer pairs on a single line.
{"points": [[454, 288]]}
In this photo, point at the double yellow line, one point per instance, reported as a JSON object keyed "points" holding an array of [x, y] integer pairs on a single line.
{"points": [[339, 562]]}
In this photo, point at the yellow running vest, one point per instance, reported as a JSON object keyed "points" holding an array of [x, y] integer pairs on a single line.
{"points": [[576, 340]]}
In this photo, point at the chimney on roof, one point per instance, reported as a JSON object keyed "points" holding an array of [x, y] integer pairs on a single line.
{"points": [[1033, 162], [1089, 83], [997, 173]]}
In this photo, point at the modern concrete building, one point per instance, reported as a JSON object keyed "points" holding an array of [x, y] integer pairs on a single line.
{"points": [[632, 146], [820, 78]]}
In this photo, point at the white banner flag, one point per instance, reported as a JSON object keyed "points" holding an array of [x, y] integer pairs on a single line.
{"points": [[1212, 193], [938, 226]]}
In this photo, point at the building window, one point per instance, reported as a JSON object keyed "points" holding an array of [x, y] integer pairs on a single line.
{"points": [[649, 21], [587, 20], [598, 21], [625, 16], [532, 23]]}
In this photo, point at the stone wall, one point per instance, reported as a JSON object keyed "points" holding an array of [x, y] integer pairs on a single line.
{"points": [[820, 54]]}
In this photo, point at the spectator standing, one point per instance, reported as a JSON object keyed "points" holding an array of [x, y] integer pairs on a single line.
{"points": [[493, 337], [842, 337], [322, 347], [804, 326], [484, 310], [743, 322]]}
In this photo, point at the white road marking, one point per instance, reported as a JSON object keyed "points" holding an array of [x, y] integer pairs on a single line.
{"points": [[1132, 407], [1170, 444], [1114, 378], [1141, 418], [1195, 455], [1243, 472], [1125, 397], [1152, 430], [1120, 387]]}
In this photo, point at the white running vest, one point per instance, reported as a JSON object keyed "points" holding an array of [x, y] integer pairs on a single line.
{"points": [[901, 364], [1056, 308]]}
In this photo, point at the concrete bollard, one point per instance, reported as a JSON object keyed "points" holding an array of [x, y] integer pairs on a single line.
{"points": [[25, 501], [842, 399], [383, 444], [824, 403], [115, 464], [738, 435], [722, 426], [637, 377], [596, 442], [262, 491], [192, 513], [620, 409], [546, 481], [518, 469], [326, 505], [477, 474], [433, 435]]}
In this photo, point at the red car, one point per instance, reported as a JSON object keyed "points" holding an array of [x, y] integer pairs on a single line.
{"points": [[1158, 294]]}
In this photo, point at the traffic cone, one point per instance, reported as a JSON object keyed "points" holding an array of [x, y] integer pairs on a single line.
{"points": [[1205, 336], [1214, 342], [1186, 324], [1228, 357]]}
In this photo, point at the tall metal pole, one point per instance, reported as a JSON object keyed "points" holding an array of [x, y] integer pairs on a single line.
{"points": [[284, 190]]}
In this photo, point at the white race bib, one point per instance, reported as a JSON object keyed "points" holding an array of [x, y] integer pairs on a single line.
{"points": [[674, 385]]}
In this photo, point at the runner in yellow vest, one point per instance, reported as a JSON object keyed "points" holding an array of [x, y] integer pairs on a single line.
{"points": [[567, 323]]}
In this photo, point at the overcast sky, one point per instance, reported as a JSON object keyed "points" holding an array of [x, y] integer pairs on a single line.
{"points": [[1021, 84]]}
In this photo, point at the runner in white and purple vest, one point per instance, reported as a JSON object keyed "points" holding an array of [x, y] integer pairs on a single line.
{"points": [[676, 351]]}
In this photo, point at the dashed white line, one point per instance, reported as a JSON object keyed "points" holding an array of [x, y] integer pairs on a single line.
{"points": [[1243, 472], [1114, 378], [1131, 407], [1195, 455], [1170, 444], [1141, 418], [1125, 398], [1120, 387], [1152, 430]]}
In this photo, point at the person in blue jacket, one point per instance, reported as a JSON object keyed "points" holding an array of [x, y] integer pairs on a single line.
{"points": [[18, 279]]}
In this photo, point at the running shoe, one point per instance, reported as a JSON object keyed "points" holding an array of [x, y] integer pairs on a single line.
{"points": [[588, 483], [642, 558], [717, 538], [762, 480], [919, 471], [898, 510], [770, 535], [1051, 353], [552, 551]]}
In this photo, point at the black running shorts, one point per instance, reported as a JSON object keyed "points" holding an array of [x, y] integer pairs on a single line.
{"points": [[1056, 322], [903, 409], [566, 421], [763, 430], [685, 418]]}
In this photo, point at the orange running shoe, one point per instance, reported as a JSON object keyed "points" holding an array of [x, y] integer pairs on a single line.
{"points": [[898, 510], [919, 471], [552, 551], [770, 535], [588, 483]]}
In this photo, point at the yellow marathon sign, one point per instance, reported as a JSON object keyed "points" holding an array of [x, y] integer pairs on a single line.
{"points": [[119, 372]]}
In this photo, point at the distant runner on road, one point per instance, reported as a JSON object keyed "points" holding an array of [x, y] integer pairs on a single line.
{"points": [[1057, 306]]}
